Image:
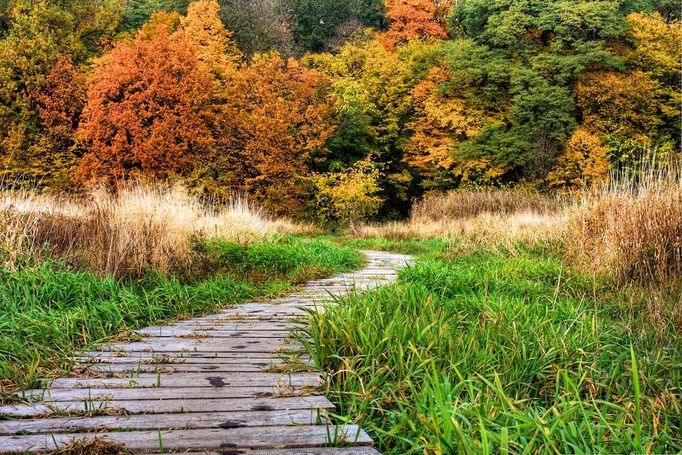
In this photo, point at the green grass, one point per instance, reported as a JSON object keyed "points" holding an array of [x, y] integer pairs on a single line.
{"points": [[488, 353], [48, 310], [416, 246]]}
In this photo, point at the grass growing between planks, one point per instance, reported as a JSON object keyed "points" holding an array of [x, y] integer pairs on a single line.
{"points": [[500, 353], [48, 309]]}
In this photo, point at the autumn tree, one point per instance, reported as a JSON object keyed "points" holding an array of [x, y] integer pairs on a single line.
{"points": [[138, 12], [279, 122], [373, 93], [526, 58], [318, 24], [160, 22], [146, 110], [410, 19], [442, 118], [259, 26], [348, 196], [655, 52], [60, 100], [207, 33], [619, 106], [585, 161], [38, 32]]}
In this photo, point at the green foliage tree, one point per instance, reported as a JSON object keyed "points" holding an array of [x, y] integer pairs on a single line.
{"points": [[317, 23], [526, 57], [259, 26], [137, 12]]}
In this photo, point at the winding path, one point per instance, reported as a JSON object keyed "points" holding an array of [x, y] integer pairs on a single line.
{"points": [[222, 384]]}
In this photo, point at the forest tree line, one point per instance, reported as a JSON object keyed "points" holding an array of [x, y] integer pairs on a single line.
{"points": [[335, 110]]}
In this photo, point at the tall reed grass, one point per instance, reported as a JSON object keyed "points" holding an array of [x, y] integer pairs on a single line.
{"points": [[631, 228], [137, 229]]}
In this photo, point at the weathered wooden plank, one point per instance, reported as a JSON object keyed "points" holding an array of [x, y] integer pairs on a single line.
{"points": [[192, 380], [258, 326], [228, 419], [135, 368], [218, 331], [128, 394], [203, 345], [179, 405], [256, 308], [136, 356], [360, 450], [175, 360], [210, 439]]}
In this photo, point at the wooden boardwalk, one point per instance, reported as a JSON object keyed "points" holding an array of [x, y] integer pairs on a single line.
{"points": [[222, 384]]}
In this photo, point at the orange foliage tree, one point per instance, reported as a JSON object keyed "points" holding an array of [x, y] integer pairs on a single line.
{"points": [[414, 19], [146, 111], [283, 116], [60, 99]]}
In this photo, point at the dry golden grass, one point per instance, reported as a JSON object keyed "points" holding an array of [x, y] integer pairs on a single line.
{"points": [[632, 228], [140, 228], [487, 229], [490, 218], [457, 205], [99, 445]]}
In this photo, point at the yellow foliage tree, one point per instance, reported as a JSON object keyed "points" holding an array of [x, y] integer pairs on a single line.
{"points": [[439, 121], [656, 44], [656, 51], [621, 106], [160, 22], [206, 32], [350, 196], [585, 161], [373, 88]]}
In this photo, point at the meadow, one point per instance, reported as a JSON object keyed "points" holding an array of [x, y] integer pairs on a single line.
{"points": [[528, 325], [530, 322]]}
